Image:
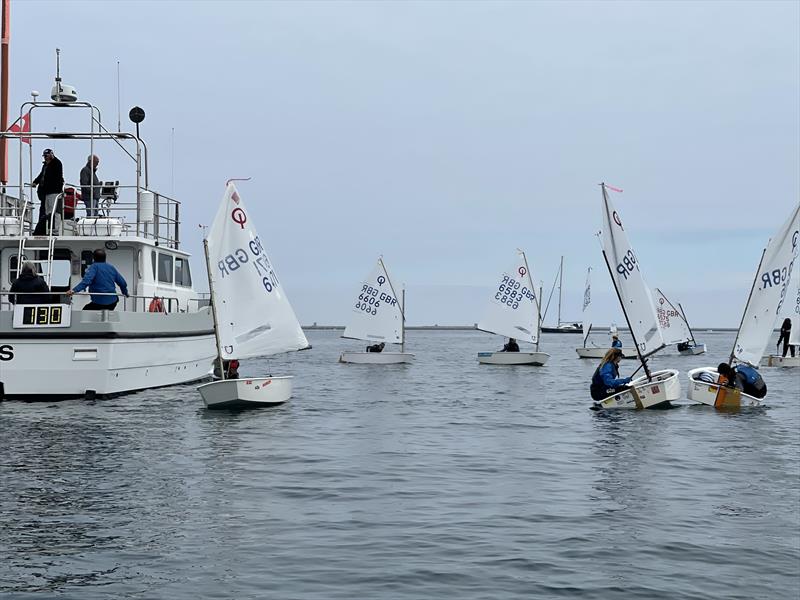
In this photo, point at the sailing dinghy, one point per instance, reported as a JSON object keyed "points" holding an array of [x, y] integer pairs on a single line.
{"points": [[595, 351], [674, 326], [653, 389], [252, 315], [792, 306], [513, 312], [378, 315], [770, 289]]}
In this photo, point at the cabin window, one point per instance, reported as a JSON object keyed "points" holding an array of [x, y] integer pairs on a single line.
{"points": [[182, 275], [164, 268]]}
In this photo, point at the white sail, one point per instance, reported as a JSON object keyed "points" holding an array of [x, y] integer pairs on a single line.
{"points": [[377, 314], [674, 329], [586, 321], [513, 309], [770, 290], [634, 294], [793, 302], [254, 317]]}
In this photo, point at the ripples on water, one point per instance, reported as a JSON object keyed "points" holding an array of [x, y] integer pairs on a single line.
{"points": [[440, 479]]}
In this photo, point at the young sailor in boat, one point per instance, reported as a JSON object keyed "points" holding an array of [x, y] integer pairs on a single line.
{"points": [[616, 342], [376, 347], [745, 378], [511, 346], [606, 380], [786, 331]]}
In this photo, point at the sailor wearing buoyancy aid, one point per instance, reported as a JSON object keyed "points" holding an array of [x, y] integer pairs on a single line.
{"points": [[745, 378], [606, 380]]}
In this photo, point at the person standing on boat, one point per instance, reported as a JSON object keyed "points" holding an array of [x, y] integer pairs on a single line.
{"points": [[49, 184], [101, 278], [786, 331], [29, 288], [606, 380], [511, 346], [616, 342], [90, 186], [745, 378], [376, 347]]}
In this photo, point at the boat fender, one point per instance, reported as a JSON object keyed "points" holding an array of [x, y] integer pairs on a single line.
{"points": [[156, 305]]}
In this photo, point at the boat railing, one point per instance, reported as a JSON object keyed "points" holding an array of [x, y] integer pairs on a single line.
{"points": [[131, 303]]}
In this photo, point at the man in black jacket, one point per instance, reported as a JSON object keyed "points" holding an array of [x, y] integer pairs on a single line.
{"points": [[49, 183], [24, 288]]}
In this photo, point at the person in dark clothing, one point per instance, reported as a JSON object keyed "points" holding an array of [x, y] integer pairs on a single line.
{"points": [[744, 378], [376, 347], [29, 288], [101, 278], [90, 186], [511, 346], [49, 184], [786, 332], [616, 342], [606, 380]]}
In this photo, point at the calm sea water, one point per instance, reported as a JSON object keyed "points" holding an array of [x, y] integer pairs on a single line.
{"points": [[442, 479]]}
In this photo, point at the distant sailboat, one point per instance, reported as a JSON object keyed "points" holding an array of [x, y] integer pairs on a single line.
{"points": [[770, 289], [674, 326], [561, 327], [513, 312], [252, 315], [654, 389], [791, 311], [595, 351], [378, 315]]}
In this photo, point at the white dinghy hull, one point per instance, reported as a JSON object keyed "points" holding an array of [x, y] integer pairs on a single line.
{"points": [[774, 360], [601, 352], [718, 396], [246, 393], [658, 392], [693, 350], [376, 358], [513, 358]]}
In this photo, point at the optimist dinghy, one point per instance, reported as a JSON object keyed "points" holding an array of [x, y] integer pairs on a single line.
{"points": [[792, 307], [595, 351], [654, 389], [769, 290], [378, 315], [514, 312], [674, 326], [252, 315]]}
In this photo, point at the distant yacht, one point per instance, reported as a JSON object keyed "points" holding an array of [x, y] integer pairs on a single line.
{"points": [[561, 326]]}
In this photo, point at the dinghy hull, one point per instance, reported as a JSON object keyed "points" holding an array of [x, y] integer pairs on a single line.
{"points": [[693, 350], [376, 358], [718, 396], [658, 392], [601, 352], [774, 360], [246, 393], [513, 358]]}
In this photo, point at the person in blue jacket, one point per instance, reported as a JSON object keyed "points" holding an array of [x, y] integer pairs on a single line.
{"points": [[606, 380], [616, 342], [101, 278], [745, 378]]}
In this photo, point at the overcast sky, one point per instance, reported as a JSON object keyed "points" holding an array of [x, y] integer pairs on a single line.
{"points": [[445, 135]]}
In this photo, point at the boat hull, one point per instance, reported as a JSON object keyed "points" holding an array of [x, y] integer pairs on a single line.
{"points": [[664, 387], [376, 358], [566, 329], [718, 396], [693, 350], [246, 393], [601, 352], [537, 359], [775, 360]]}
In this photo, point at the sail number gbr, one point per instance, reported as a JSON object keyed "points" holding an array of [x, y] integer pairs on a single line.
{"points": [[511, 292], [231, 263], [627, 265], [370, 299]]}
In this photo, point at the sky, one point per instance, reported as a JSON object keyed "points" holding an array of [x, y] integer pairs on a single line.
{"points": [[444, 135]]}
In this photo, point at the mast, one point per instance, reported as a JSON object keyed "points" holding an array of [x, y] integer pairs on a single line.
{"points": [[538, 301], [214, 311], [560, 281], [622, 305], [6, 38], [539, 325], [403, 323], [746, 306], [685, 320]]}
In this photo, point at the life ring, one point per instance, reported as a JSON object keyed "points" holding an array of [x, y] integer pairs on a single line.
{"points": [[156, 305]]}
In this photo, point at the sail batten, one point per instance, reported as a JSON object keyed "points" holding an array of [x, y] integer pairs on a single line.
{"points": [[513, 309], [253, 314]]}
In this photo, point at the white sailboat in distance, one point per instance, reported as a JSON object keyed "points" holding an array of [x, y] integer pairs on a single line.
{"points": [[674, 326], [378, 316], [653, 389], [252, 315], [769, 291], [514, 312]]}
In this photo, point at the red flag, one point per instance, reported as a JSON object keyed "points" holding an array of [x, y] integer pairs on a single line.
{"points": [[23, 125]]}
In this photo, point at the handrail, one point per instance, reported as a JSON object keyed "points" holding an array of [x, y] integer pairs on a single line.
{"points": [[168, 299]]}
